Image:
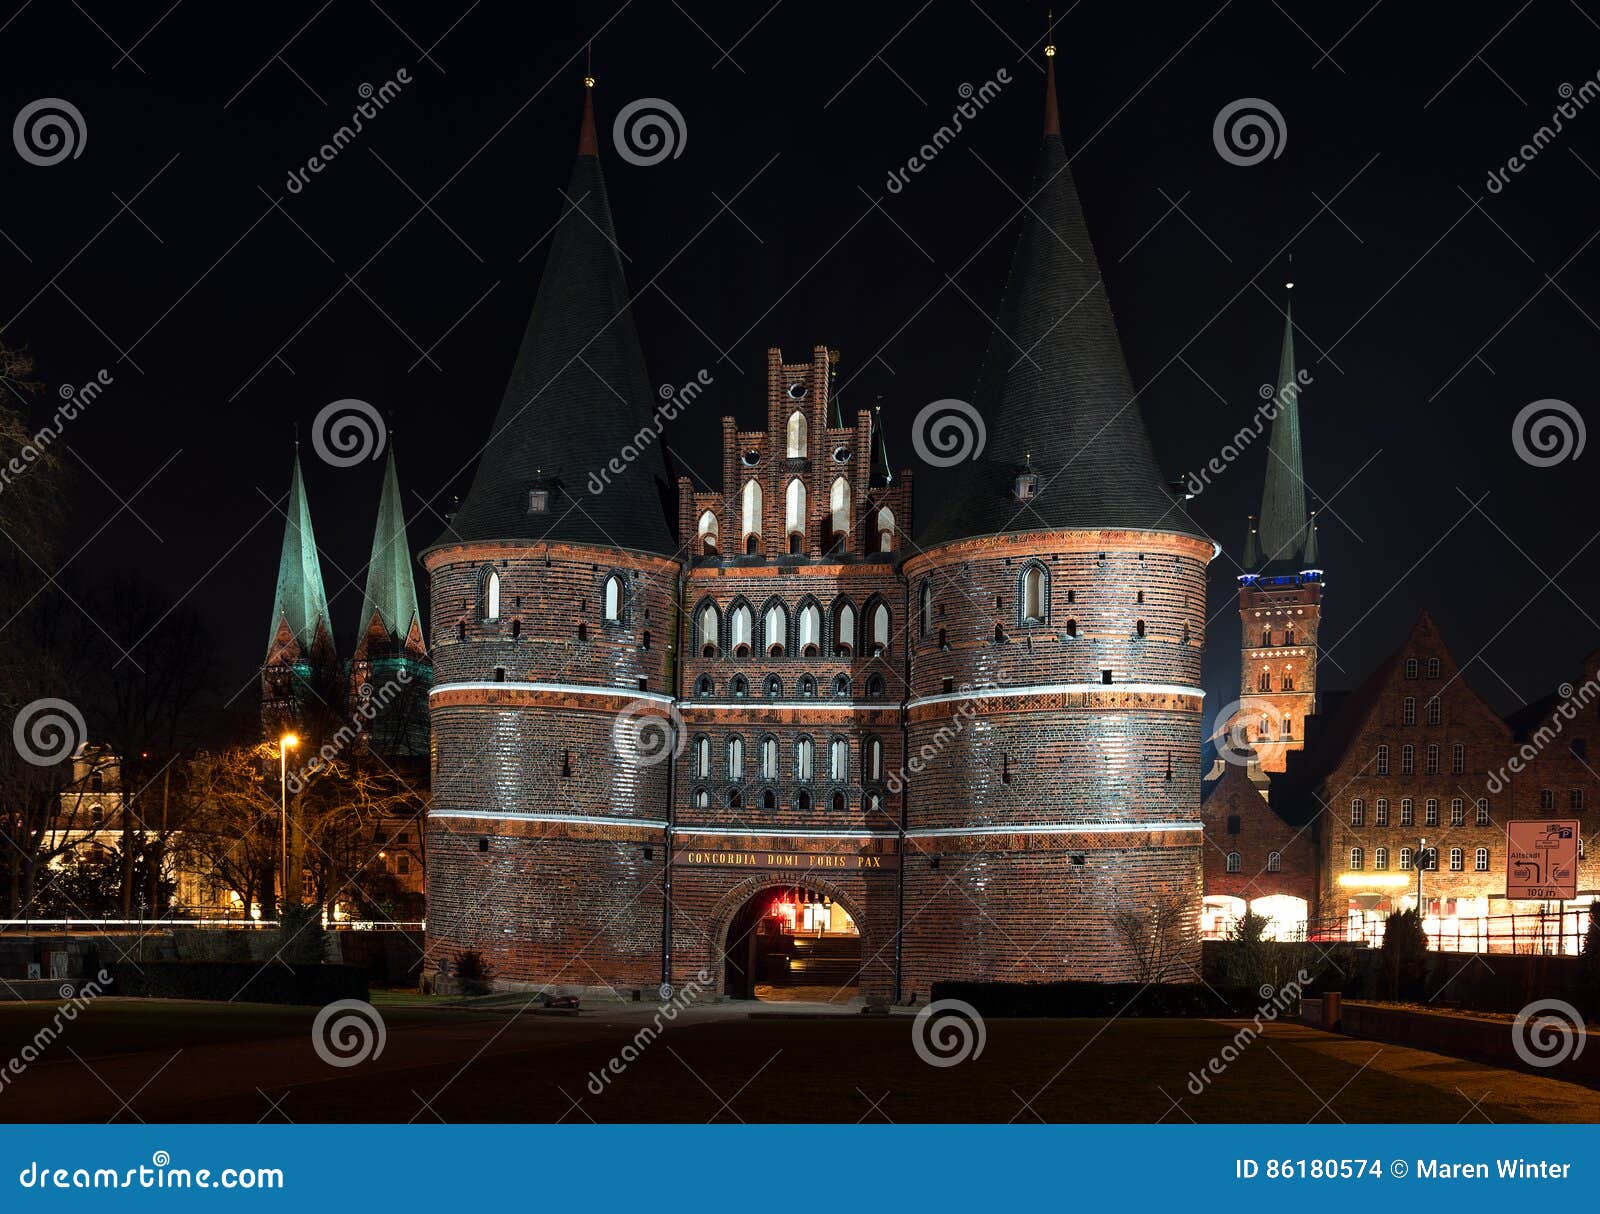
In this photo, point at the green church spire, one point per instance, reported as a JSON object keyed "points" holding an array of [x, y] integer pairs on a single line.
{"points": [[390, 601], [1283, 532], [300, 604]]}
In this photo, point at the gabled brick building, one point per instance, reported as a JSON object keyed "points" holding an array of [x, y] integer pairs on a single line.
{"points": [[978, 746], [1254, 860]]}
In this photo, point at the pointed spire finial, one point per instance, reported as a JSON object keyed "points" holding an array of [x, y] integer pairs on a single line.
{"points": [[1052, 116], [588, 141]]}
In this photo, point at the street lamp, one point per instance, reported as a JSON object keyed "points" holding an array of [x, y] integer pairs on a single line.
{"points": [[285, 744]]}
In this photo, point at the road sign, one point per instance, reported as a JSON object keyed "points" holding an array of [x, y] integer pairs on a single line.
{"points": [[1542, 859]]}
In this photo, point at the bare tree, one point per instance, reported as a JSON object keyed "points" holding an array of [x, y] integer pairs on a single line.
{"points": [[1158, 934]]}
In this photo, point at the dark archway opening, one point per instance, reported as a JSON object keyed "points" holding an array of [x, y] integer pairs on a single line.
{"points": [[789, 944]]}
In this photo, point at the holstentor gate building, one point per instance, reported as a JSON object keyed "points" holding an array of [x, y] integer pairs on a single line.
{"points": [[977, 732]]}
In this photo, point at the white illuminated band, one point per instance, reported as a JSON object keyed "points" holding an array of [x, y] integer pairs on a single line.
{"points": [[508, 816], [757, 702], [575, 689], [1045, 689], [779, 832], [1054, 828]]}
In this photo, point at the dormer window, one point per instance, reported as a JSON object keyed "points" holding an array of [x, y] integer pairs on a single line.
{"points": [[538, 501], [1027, 485]]}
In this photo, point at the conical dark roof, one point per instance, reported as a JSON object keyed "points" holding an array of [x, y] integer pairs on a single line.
{"points": [[577, 400], [1055, 392]]}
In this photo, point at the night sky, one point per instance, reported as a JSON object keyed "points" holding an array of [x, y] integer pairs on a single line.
{"points": [[226, 309]]}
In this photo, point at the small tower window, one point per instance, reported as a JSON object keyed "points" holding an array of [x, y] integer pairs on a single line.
{"points": [[613, 599], [538, 501], [489, 595], [708, 533], [1027, 486], [1035, 594], [925, 607], [797, 443]]}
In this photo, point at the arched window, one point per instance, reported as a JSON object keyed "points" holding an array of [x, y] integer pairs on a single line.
{"points": [[1035, 596], [844, 629], [875, 687], [809, 627], [880, 628], [772, 687], [750, 513], [703, 686], [701, 798], [807, 687], [736, 758], [885, 530], [738, 686], [797, 435], [1380, 858], [705, 629], [613, 599], [1138, 629], [841, 686], [840, 802], [804, 758], [794, 515], [839, 511], [1274, 861], [1287, 681], [708, 533], [735, 799], [1480, 860], [769, 799], [1235, 862], [925, 607], [838, 759], [1457, 859], [1358, 859], [1266, 636], [489, 595], [1288, 635], [741, 625], [872, 759], [1405, 857], [775, 629], [802, 800], [1264, 680], [702, 757], [461, 630], [769, 758], [1264, 730]]}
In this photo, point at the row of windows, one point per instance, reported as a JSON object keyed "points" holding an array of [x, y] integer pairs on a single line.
{"points": [[734, 798], [805, 687], [1266, 635], [1429, 860], [613, 597], [796, 519], [1577, 801], [804, 765], [1033, 604], [1408, 710], [1411, 668], [1430, 810], [738, 636], [1430, 759], [1236, 861], [1285, 681]]}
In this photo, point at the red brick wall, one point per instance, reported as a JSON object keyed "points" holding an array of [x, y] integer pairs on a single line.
{"points": [[1261, 832]]}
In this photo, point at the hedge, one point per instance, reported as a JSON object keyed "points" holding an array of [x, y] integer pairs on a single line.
{"points": [[1100, 999], [242, 980]]}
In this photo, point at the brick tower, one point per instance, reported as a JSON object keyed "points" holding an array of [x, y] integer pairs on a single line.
{"points": [[390, 672], [554, 609], [1058, 616], [1280, 592], [300, 665]]}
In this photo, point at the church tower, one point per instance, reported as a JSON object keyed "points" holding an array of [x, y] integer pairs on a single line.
{"points": [[1058, 618], [553, 600], [390, 672], [300, 650], [1280, 590]]}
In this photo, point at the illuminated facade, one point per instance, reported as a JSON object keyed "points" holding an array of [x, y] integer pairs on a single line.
{"points": [[977, 747]]}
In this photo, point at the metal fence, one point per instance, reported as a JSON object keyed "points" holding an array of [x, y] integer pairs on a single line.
{"points": [[109, 925]]}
